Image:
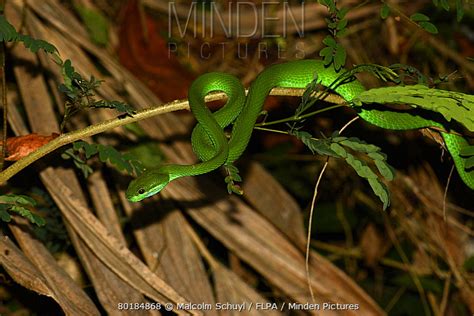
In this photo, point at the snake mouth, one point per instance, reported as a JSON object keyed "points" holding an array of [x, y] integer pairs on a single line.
{"points": [[137, 193]]}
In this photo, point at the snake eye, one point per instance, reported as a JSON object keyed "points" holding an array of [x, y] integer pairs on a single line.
{"points": [[141, 191]]}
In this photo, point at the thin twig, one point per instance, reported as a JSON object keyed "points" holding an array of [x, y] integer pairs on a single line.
{"points": [[311, 213], [4, 105], [101, 127], [308, 237], [446, 192]]}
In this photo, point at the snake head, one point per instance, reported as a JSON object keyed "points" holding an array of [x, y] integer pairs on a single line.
{"points": [[146, 185]]}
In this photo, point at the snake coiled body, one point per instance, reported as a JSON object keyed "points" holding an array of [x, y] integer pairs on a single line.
{"points": [[214, 150]]}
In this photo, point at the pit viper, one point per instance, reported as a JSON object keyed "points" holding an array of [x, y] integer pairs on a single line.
{"points": [[214, 149]]}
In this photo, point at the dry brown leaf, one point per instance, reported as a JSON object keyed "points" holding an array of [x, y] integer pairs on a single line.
{"points": [[160, 230], [21, 146], [231, 289], [72, 299], [21, 269]]}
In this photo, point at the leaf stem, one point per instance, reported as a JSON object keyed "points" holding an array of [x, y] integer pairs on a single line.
{"points": [[299, 117]]}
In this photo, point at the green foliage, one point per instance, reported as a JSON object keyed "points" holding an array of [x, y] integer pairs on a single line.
{"points": [[78, 161], [444, 4], [21, 205], [233, 176], [334, 53], [116, 105], [82, 151], [80, 94], [9, 34], [337, 146], [54, 235], [459, 10], [148, 153], [97, 25], [381, 72], [384, 11], [467, 153], [79, 91], [409, 72], [451, 104], [308, 99], [423, 21]]}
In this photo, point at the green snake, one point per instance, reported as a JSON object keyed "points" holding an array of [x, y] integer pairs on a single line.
{"points": [[214, 149]]}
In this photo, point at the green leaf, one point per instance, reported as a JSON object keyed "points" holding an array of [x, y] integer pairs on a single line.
{"points": [[236, 177], [419, 17], [452, 105], [96, 23], [444, 4], [237, 190], [329, 41], [331, 25], [384, 11], [117, 105], [17, 199], [233, 188], [231, 168], [342, 33], [18, 204], [381, 191], [69, 69], [359, 145], [342, 13], [429, 27], [339, 57], [327, 54], [318, 146], [341, 24], [332, 147], [34, 45], [385, 169], [360, 167], [7, 31], [467, 151], [329, 4], [339, 150], [459, 10], [4, 216], [377, 156], [469, 163], [9, 34], [26, 213], [89, 149], [123, 162], [86, 169], [70, 75]]}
